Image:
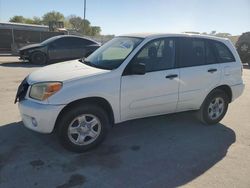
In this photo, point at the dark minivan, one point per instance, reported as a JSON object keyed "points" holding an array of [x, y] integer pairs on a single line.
{"points": [[58, 48]]}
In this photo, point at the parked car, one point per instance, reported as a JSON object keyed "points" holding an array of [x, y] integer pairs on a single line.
{"points": [[58, 48], [243, 47], [129, 77]]}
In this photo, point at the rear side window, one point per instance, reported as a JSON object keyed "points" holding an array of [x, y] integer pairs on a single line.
{"points": [[62, 43], [192, 52], [79, 43], [86, 42], [223, 53], [72, 42], [210, 53]]}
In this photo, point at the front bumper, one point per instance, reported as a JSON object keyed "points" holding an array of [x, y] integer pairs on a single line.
{"points": [[23, 57], [237, 90], [39, 117]]}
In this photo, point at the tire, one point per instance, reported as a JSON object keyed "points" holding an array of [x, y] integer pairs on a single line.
{"points": [[214, 107], [38, 58], [78, 132]]}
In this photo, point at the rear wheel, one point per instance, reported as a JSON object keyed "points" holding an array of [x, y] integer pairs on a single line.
{"points": [[214, 107], [83, 127], [38, 58]]}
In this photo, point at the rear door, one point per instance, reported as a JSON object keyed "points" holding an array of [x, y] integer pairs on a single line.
{"points": [[232, 69], [199, 72]]}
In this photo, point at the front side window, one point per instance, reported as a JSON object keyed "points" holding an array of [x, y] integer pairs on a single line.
{"points": [[224, 54], [157, 55], [112, 54]]}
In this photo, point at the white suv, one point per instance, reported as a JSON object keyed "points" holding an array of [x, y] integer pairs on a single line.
{"points": [[129, 77]]}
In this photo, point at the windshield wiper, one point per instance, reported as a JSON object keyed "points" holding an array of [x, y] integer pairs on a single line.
{"points": [[87, 62], [92, 64]]}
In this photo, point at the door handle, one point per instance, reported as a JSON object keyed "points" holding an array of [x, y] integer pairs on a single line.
{"points": [[171, 76], [211, 70]]}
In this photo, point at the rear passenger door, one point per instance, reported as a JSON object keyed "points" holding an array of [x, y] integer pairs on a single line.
{"points": [[199, 72], [231, 70]]}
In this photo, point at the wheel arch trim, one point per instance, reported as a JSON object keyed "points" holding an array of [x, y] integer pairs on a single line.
{"points": [[99, 101]]}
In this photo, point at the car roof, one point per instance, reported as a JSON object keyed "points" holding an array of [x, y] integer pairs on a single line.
{"points": [[66, 36], [159, 35]]}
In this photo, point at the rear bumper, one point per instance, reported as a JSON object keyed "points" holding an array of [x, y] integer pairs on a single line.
{"points": [[39, 117], [237, 90]]}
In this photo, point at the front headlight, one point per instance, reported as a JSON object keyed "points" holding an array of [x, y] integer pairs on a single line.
{"points": [[42, 91]]}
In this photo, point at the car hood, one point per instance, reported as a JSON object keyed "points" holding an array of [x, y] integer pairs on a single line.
{"points": [[30, 46], [65, 71]]}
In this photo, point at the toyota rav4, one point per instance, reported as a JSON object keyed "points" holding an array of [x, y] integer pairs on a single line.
{"points": [[129, 77]]}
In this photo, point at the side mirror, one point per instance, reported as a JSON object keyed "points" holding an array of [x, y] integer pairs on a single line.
{"points": [[138, 68]]}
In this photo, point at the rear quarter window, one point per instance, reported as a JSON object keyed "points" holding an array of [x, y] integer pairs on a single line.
{"points": [[223, 52]]}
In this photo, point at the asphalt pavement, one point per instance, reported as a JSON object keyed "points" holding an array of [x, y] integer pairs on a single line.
{"points": [[164, 151]]}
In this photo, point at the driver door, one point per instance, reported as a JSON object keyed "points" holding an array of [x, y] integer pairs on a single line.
{"points": [[155, 92]]}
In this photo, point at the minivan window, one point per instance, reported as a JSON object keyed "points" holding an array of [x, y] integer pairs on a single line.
{"points": [[157, 55], [192, 52], [210, 53], [112, 54], [224, 54]]}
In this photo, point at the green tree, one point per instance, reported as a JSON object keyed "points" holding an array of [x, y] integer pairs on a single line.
{"points": [[21, 19], [17, 19], [29, 21], [95, 30], [83, 26], [52, 16], [86, 30], [76, 23], [37, 20]]}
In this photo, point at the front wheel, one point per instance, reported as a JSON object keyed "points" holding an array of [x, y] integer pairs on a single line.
{"points": [[214, 107], [38, 58], [83, 127]]}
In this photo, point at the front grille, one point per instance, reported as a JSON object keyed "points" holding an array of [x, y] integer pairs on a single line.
{"points": [[22, 90]]}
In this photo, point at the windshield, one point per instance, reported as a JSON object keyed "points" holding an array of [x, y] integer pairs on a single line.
{"points": [[113, 53]]}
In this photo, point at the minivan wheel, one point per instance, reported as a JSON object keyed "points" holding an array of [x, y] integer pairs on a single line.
{"points": [[214, 107], [38, 58], [83, 127]]}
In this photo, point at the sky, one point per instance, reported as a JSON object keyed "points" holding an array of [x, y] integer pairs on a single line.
{"points": [[132, 16]]}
